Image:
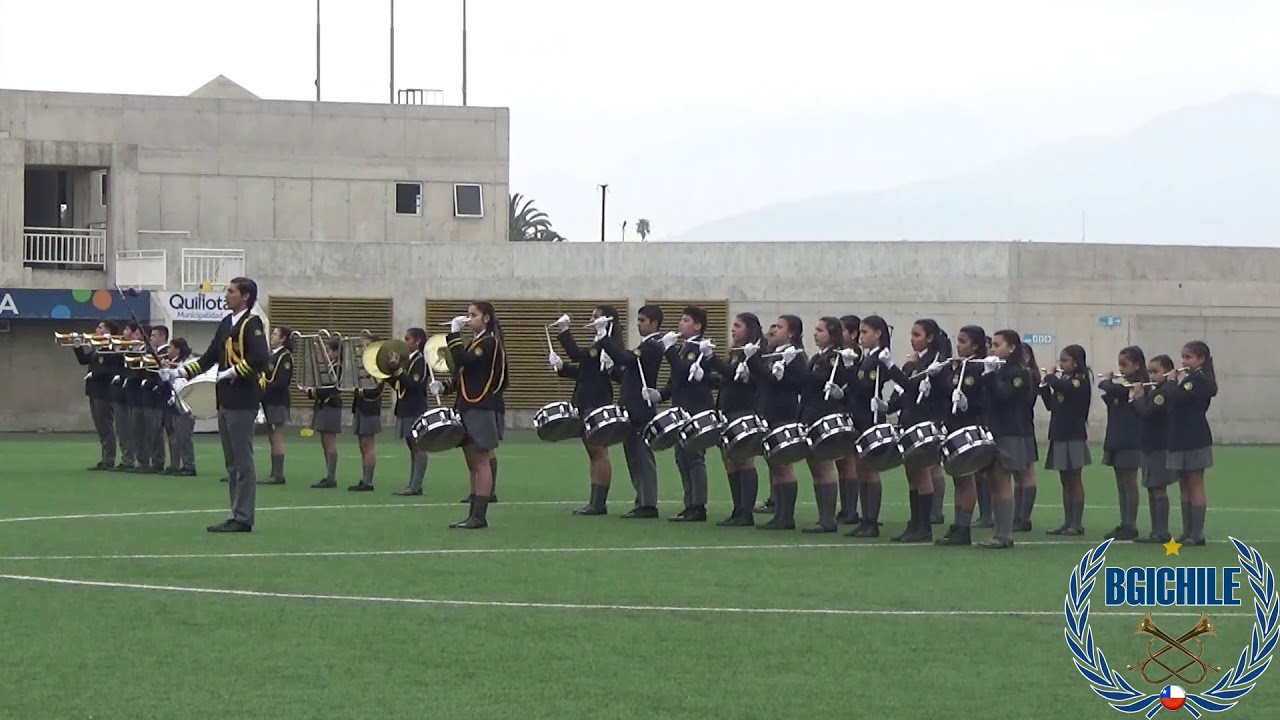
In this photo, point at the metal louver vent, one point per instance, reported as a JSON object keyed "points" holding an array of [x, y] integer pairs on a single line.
{"points": [[717, 329], [347, 316], [524, 324]]}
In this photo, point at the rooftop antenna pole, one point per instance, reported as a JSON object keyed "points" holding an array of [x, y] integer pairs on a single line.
{"points": [[393, 52], [604, 191], [464, 53], [1083, 227], [317, 50]]}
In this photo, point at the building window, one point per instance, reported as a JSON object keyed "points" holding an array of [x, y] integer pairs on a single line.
{"points": [[468, 201], [408, 198], [103, 185]]}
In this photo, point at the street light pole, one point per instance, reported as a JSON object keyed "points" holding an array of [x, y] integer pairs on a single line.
{"points": [[604, 192]]}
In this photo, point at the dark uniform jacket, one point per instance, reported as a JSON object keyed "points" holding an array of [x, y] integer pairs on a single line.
{"points": [[241, 346], [480, 369], [628, 369]]}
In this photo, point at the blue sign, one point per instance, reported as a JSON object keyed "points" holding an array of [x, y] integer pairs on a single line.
{"points": [[1037, 339], [32, 304], [1109, 320]]}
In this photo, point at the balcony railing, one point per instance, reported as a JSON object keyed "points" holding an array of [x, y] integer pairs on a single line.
{"points": [[65, 248], [210, 268], [142, 269]]}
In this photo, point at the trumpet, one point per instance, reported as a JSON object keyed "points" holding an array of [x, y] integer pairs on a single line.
{"points": [[78, 339], [149, 363]]}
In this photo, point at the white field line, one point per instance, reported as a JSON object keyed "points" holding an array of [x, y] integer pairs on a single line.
{"points": [[851, 545], [410, 504], [565, 606]]}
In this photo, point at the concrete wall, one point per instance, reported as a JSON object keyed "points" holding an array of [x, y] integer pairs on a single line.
{"points": [[244, 171], [1229, 297]]}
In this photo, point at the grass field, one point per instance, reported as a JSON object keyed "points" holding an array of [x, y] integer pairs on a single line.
{"points": [[368, 606]]}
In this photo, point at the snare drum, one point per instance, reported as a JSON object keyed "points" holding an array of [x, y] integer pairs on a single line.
{"points": [[786, 444], [663, 431], [967, 450], [878, 447], [557, 421], [606, 425], [743, 438], [920, 443], [832, 437], [438, 430], [702, 430]]}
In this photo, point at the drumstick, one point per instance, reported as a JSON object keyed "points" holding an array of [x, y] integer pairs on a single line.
{"points": [[835, 363], [955, 401], [550, 348], [432, 374], [643, 382], [875, 416]]}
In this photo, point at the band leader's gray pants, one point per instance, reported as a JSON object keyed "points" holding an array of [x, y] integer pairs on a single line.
{"points": [[235, 428]]}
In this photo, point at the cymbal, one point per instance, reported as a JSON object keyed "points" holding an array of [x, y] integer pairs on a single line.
{"points": [[437, 354]]}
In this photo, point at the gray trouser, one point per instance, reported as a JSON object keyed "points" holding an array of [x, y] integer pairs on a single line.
{"points": [[104, 418], [235, 428], [693, 475], [140, 432], [643, 469], [124, 432], [182, 451], [153, 422]]}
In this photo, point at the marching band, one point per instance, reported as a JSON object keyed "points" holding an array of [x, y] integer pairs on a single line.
{"points": [[965, 411]]}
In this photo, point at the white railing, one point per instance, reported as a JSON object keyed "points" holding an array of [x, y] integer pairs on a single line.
{"points": [[65, 248], [142, 269], [209, 267]]}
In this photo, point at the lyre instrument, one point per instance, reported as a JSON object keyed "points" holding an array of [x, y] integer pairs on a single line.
{"points": [[315, 368], [1204, 627]]}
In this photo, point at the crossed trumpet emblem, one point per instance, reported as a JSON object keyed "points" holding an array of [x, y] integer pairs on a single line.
{"points": [[1180, 644]]}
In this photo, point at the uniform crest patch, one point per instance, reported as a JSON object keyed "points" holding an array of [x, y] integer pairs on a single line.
{"points": [[258, 332], [100, 361], [1075, 382], [1159, 400], [862, 374], [1060, 398], [637, 352], [479, 352], [417, 377], [691, 356], [968, 380], [1187, 386], [1017, 382], [288, 366], [593, 352]]}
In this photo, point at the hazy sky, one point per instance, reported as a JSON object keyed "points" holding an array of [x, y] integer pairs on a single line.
{"points": [[596, 86]]}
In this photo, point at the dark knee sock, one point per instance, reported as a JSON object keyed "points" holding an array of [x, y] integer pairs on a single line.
{"points": [[749, 485], [1028, 503], [1129, 506], [826, 498], [599, 496], [924, 505], [773, 494], [330, 465], [964, 518], [1077, 513], [1186, 519], [984, 496], [1197, 521], [871, 508], [1004, 518], [367, 478], [939, 494], [417, 469], [277, 466], [1017, 503], [493, 470], [844, 497], [1159, 509], [735, 491], [787, 502]]}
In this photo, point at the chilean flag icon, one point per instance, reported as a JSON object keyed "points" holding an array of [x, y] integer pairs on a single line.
{"points": [[1173, 697]]}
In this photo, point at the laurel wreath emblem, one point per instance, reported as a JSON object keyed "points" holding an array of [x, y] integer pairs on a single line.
{"points": [[1235, 683]]}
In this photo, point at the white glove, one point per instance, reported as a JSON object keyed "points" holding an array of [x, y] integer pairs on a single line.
{"points": [[226, 374], [960, 401], [555, 362], [146, 384], [117, 380], [707, 347], [925, 388], [601, 322], [456, 324], [789, 354], [173, 400], [779, 369], [696, 373], [435, 387], [168, 374], [849, 357], [606, 362], [668, 340], [651, 395], [562, 324], [878, 405], [936, 367], [750, 349], [261, 418], [742, 374], [991, 364], [886, 357], [833, 391]]}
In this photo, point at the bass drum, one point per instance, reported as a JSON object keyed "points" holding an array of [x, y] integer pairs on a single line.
{"points": [[786, 444], [878, 447], [663, 431], [438, 430], [967, 450], [199, 398], [557, 421], [605, 426]]}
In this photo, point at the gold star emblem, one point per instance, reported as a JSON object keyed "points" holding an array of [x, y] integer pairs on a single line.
{"points": [[1171, 548]]}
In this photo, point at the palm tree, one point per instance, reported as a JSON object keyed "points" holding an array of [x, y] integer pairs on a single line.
{"points": [[643, 229], [529, 224]]}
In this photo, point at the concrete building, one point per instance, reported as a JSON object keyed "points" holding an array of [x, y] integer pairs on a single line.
{"points": [[209, 197]]}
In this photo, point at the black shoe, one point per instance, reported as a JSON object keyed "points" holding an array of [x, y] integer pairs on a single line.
{"points": [[743, 520], [777, 524], [470, 523], [766, 507], [956, 535], [939, 520], [230, 526], [407, 492], [1154, 539], [467, 500], [591, 510], [867, 529], [326, 484], [984, 523], [191, 472], [224, 480], [1023, 526], [905, 532], [691, 514], [641, 513], [818, 529], [921, 534], [996, 543], [99, 466], [1063, 529], [1122, 533], [360, 487], [848, 519], [272, 480], [171, 470]]}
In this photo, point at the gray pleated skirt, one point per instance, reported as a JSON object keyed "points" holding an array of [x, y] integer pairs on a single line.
{"points": [[1122, 459], [1155, 470], [1015, 453], [366, 424], [1035, 449], [327, 420], [1068, 455], [404, 427], [276, 414], [484, 428], [1198, 459]]}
